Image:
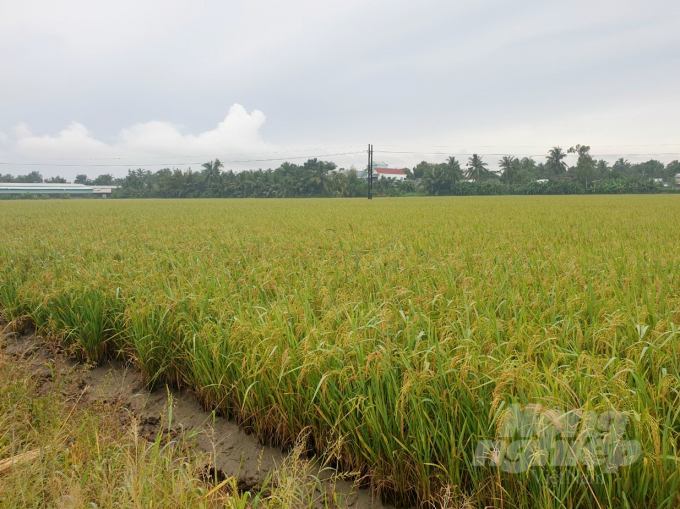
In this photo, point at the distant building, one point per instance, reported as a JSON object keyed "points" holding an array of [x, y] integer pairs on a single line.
{"points": [[362, 174], [542, 181], [658, 180], [677, 179], [380, 172], [55, 189]]}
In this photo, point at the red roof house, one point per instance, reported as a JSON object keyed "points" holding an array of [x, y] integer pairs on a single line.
{"points": [[389, 173]]}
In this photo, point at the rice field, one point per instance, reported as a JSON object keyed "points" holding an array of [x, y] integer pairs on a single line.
{"points": [[398, 333]]}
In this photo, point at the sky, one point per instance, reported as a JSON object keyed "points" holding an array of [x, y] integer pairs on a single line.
{"points": [[95, 87]]}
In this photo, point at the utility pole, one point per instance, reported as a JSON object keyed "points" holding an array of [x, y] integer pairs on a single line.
{"points": [[370, 172]]}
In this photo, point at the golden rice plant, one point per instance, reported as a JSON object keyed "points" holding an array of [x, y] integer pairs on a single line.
{"points": [[397, 331]]}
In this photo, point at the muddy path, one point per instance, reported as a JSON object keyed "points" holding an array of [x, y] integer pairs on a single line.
{"points": [[233, 453]]}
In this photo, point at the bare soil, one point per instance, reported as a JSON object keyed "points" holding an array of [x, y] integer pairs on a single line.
{"points": [[233, 452]]}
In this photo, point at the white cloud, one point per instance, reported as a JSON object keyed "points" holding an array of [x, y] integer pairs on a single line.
{"points": [[238, 132], [151, 141], [73, 142]]}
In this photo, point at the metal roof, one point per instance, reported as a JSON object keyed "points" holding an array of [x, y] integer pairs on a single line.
{"points": [[43, 185], [389, 171], [42, 188]]}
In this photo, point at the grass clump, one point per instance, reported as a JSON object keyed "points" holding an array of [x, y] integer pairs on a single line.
{"points": [[57, 452], [86, 457]]}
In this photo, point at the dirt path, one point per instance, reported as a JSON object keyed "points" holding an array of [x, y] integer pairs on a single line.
{"points": [[235, 454]]}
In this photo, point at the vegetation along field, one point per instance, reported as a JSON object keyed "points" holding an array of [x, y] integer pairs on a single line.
{"points": [[397, 333]]}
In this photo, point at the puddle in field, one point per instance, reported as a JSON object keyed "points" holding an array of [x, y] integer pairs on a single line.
{"points": [[235, 453]]}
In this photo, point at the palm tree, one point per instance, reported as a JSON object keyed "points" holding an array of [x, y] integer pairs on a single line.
{"points": [[211, 174], [407, 186], [436, 179], [477, 169], [211, 169], [621, 167], [555, 161], [316, 178], [339, 185], [454, 170], [317, 182], [510, 168], [383, 184]]}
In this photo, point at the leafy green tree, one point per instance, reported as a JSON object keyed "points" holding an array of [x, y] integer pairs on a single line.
{"points": [[318, 178], [32, 178], [56, 180], [421, 169], [82, 179], [649, 169], [104, 180], [357, 186], [673, 169], [529, 170], [584, 171]]}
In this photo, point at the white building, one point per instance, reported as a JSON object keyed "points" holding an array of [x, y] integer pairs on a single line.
{"points": [[389, 173], [54, 189], [677, 179]]}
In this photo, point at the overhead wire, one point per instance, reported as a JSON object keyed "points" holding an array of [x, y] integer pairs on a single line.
{"points": [[76, 165], [518, 154], [189, 155]]}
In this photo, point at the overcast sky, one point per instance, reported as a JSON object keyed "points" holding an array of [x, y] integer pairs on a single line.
{"points": [[172, 82]]}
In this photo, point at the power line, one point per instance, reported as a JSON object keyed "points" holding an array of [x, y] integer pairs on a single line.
{"points": [[515, 154], [179, 164], [183, 156], [529, 146]]}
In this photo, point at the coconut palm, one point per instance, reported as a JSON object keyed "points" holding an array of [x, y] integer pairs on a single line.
{"points": [[211, 169], [477, 169], [211, 176], [454, 170], [510, 167], [555, 163], [436, 180], [407, 186], [339, 185]]}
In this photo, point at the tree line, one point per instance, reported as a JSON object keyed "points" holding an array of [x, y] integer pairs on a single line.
{"points": [[521, 175], [323, 179], [36, 178]]}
